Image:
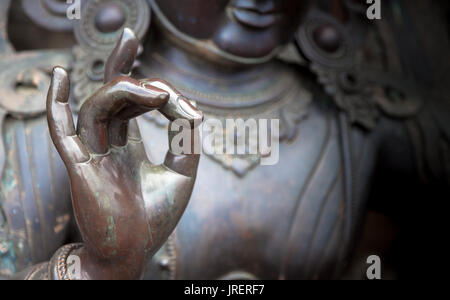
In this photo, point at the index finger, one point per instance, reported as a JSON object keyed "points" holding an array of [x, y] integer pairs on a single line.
{"points": [[105, 115], [121, 60]]}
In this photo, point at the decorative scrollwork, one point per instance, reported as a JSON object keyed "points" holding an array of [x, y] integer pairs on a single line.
{"points": [[25, 79], [338, 56], [289, 108], [87, 73]]}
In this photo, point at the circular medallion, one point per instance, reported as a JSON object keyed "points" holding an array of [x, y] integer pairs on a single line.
{"points": [[324, 40], [25, 79], [102, 22]]}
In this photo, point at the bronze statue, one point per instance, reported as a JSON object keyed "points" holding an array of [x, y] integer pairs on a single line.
{"points": [[347, 102]]}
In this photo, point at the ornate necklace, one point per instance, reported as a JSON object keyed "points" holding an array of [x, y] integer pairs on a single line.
{"points": [[281, 96]]}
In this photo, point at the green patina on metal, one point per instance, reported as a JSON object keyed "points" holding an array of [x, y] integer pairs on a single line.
{"points": [[7, 259], [7, 253], [9, 182], [111, 236]]}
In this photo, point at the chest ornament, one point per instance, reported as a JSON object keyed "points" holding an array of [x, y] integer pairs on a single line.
{"points": [[288, 108]]}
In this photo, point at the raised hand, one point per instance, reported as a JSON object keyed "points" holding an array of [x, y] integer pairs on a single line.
{"points": [[125, 207]]}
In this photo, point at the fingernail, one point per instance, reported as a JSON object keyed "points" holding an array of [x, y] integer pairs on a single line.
{"points": [[60, 84], [164, 96], [189, 109], [59, 73], [128, 34]]}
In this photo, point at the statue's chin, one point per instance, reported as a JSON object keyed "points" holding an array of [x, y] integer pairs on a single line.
{"points": [[240, 41], [231, 44]]}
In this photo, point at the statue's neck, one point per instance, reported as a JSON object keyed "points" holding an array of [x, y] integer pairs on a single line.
{"points": [[212, 84], [173, 61]]}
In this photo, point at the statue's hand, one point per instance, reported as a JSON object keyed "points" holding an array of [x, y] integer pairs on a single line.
{"points": [[125, 207]]}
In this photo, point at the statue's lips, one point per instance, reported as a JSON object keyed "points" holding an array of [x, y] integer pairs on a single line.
{"points": [[255, 19]]}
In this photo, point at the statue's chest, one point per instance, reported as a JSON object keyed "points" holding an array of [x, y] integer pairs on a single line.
{"points": [[286, 220]]}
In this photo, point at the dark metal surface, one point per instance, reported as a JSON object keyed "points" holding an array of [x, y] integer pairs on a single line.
{"points": [[366, 106]]}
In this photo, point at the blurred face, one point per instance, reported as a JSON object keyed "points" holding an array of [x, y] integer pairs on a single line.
{"points": [[244, 28]]}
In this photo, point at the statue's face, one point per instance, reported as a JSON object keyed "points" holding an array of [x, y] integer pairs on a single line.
{"points": [[245, 28]]}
